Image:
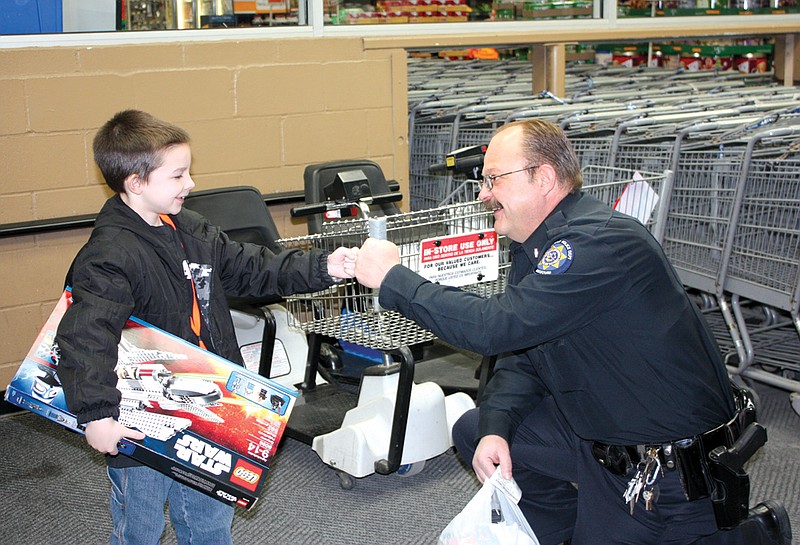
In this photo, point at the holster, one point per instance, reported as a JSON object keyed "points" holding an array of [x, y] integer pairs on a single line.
{"points": [[731, 484], [692, 456], [618, 459]]}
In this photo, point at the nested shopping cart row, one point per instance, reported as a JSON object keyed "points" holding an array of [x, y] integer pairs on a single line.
{"points": [[609, 114]]}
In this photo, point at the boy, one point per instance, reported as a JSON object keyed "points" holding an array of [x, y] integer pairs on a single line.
{"points": [[149, 258]]}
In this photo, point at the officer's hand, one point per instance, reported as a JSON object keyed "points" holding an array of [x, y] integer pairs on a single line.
{"points": [[103, 435], [492, 451], [375, 258]]}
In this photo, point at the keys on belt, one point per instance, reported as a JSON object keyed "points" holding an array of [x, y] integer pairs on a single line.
{"points": [[643, 483]]}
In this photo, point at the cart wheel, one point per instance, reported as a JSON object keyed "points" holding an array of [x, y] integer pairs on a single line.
{"points": [[346, 480], [329, 357], [407, 470], [770, 368]]}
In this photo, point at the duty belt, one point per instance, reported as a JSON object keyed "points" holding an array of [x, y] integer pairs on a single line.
{"points": [[688, 456], [709, 464]]}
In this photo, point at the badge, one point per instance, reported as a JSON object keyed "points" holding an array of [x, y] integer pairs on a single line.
{"points": [[557, 259]]}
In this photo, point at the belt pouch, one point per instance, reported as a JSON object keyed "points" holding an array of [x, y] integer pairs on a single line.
{"points": [[689, 461], [614, 458]]}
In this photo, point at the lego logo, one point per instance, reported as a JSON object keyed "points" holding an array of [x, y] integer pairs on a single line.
{"points": [[245, 474], [225, 496]]}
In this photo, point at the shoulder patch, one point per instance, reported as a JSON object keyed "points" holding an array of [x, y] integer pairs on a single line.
{"points": [[557, 259]]}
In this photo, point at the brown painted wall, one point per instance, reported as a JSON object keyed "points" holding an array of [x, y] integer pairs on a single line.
{"points": [[258, 112]]}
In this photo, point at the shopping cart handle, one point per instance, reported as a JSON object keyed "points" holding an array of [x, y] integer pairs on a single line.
{"points": [[438, 168], [310, 209], [327, 206], [467, 160], [464, 166], [394, 196]]}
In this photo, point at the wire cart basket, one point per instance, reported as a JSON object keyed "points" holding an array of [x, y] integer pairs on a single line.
{"points": [[641, 194], [348, 311]]}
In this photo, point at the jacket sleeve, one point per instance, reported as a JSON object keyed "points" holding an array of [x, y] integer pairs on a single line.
{"points": [[469, 321], [511, 395], [537, 310], [88, 336], [251, 270]]}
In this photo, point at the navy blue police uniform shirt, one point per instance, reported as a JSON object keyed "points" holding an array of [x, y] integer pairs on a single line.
{"points": [[593, 315]]}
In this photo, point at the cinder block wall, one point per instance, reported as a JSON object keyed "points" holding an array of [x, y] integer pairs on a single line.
{"points": [[258, 112]]}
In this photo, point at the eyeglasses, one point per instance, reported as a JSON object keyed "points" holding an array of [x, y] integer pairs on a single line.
{"points": [[488, 181]]}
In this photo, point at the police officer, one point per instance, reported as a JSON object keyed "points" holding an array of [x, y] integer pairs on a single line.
{"points": [[609, 389]]}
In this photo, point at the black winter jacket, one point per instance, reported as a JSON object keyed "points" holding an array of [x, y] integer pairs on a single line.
{"points": [[131, 268]]}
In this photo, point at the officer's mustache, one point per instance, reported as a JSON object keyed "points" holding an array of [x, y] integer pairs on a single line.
{"points": [[491, 205]]}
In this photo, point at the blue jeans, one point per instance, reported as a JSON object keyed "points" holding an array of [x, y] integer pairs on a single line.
{"points": [[138, 495]]}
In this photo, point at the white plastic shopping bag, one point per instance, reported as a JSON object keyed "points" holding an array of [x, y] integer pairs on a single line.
{"points": [[638, 199], [492, 517]]}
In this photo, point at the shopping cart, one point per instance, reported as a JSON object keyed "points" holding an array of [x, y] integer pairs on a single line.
{"points": [[373, 436], [760, 269], [438, 127], [640, 194], [322, 312], [708, 161]]}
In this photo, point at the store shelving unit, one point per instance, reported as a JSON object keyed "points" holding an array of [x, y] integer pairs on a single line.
{"points": [[748, 56], [266, 13], [695, 8], [173, 14]]}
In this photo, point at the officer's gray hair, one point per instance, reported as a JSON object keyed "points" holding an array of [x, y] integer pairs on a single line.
{"points": [[545, 143]]}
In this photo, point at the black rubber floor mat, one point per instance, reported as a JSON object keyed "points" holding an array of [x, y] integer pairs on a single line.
{"points": [[319, 411]]}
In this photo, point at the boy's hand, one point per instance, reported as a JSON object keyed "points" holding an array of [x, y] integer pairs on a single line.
{"points": [[103, 435], [342, 263], [375, 259]]}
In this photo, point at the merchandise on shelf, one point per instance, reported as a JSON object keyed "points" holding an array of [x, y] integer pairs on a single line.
{"points": [[678, 8], [542, 9], [743, 55], [482, 53], [401, 11]]}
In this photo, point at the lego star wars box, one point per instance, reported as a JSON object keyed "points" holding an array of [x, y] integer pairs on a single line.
{"points": [[209, 423]]}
